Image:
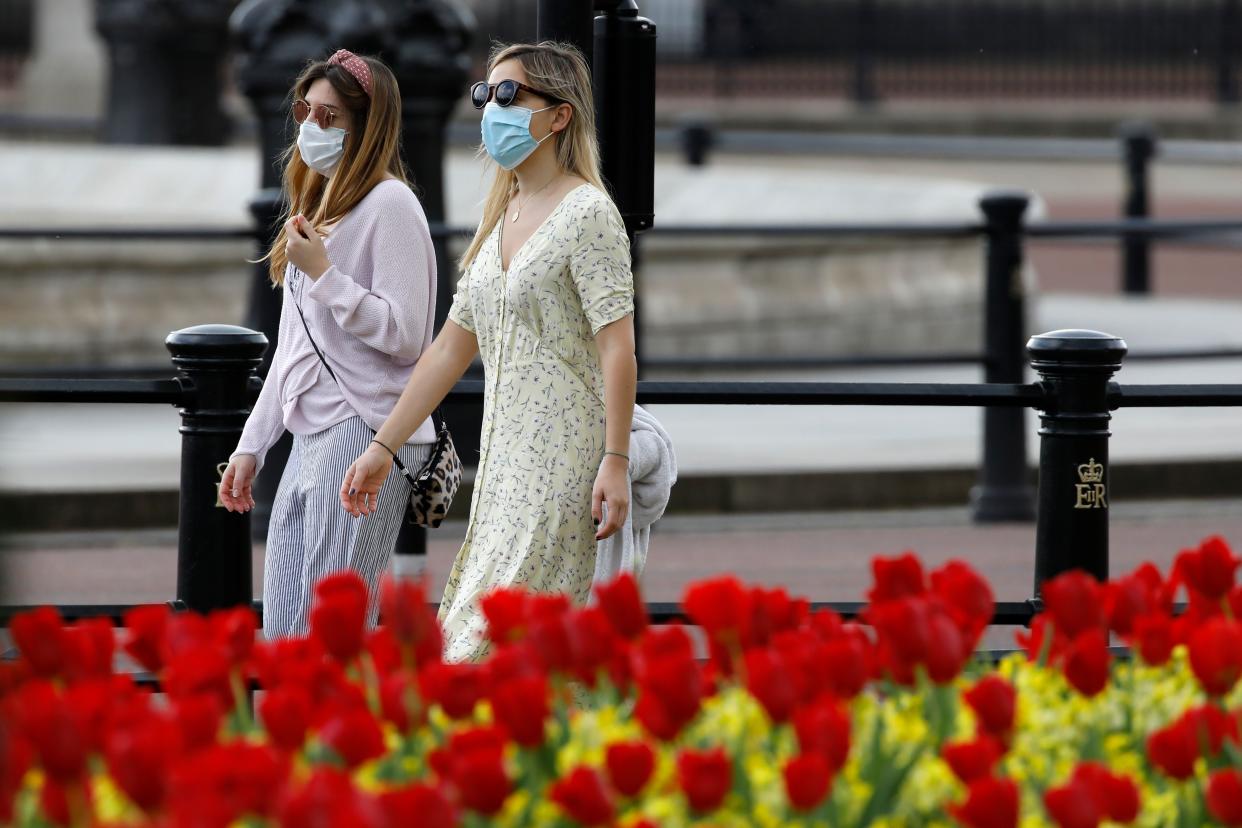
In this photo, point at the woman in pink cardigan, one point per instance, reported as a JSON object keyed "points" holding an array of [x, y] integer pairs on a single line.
{"points": [[358, 270]]}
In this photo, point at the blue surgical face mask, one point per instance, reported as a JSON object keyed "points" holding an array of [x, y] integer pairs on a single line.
{"points": [[321, 148], [506, 133]]}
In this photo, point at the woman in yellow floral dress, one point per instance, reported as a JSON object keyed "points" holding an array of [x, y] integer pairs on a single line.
{"points": [[546, 299]]}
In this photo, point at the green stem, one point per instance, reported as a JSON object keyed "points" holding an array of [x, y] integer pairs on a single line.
{"points": [[241, 704]]}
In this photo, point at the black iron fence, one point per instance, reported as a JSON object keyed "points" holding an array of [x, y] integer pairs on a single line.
{"points": [[216, 382]]}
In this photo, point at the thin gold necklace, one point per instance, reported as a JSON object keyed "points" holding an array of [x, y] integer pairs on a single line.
{"points": [[518, 212]]}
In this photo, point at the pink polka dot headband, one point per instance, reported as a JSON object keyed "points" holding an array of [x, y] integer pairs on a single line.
{"points": [[355, 66]]}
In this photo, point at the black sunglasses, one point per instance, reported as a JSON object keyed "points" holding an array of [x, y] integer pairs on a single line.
{"points": [[505, 93]]}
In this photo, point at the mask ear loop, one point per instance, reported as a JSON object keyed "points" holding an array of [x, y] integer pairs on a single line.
{"points": [[551, 131]]}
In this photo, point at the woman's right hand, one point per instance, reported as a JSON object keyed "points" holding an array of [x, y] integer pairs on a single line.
{"points": [[235, 484], [360, 488]]}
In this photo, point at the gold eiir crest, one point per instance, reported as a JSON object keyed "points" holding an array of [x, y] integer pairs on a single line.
{"points": [[1089, 491]]}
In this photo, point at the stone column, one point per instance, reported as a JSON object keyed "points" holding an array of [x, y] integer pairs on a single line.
{"points": [[165, 70]]}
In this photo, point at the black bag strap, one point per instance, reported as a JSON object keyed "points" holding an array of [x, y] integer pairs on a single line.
{"points": [[434, 415]]}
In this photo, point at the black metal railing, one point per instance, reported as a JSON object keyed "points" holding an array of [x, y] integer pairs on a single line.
{"points": [[216, 382]]}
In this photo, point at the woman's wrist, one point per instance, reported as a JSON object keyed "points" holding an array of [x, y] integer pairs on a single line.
{"points": [[382, 446]]}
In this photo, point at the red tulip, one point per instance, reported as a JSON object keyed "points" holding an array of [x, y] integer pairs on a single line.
{"points": [[41, 637], [521, 707], [235, 630], [1224, 796], [807, 781], [1116, 796], [286, 714], [1072, 806], [400, 702], [353, 735], [847, 663], [583, 797], [455, 687], [824, 728], [896, 578], [1087, 662], [948, 649], [903, 633], [140, 755], [1137, 594], [1074, 600], [198, 720], [769, 680], [145, 628], [550, 637], [721, 606], [417, 804], [772, 611], [1173, 749], [16, 757], [1153, 635], [994, 701], [1216, 655], [226, 782], [705, 777], [1208, 570], [480, 777], [507, 610], [92, 644], [968, 598], [972, 760], [991, 802], [339, 614], [202, 669], [54, 728], [328, 798], [403, 606], [593, 643], [621, 602], [630, 765]]}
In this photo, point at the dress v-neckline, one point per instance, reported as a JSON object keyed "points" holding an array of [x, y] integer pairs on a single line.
{"points": [[500, 234]]}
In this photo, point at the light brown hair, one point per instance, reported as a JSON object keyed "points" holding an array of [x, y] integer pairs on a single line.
{"points": [[560, 70], [372, 152]]}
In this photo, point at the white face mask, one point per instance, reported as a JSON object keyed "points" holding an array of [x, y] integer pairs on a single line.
{"points": [[321, 148]]}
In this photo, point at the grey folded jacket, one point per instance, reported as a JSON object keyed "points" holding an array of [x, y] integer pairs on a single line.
{"points": [[652, 473]]}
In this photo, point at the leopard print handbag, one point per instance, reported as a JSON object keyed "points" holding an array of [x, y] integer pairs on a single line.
{"points": [[433, 487]]}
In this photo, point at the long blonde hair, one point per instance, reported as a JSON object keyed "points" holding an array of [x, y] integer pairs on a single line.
{"points": [[372, 151], [560, 70]]}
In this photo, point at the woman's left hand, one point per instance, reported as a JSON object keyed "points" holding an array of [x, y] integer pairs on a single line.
{"points": [[611, 487], [305, 248]]}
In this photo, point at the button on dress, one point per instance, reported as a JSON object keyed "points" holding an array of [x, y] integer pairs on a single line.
{"points": [[542, 438]]}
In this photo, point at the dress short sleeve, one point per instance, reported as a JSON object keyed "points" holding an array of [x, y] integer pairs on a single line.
{"points": [[461, 311], [600, 263]]}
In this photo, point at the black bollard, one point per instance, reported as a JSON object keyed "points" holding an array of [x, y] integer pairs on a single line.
{"points": [[862, 86], [1139, 146], [567, 21], [165, 78], [1228, 50], [1075, 368], [216, 365], [696, 141], [1003, 492]]}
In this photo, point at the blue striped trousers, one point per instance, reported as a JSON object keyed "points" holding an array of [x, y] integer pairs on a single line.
{"points": [[310, 535]]}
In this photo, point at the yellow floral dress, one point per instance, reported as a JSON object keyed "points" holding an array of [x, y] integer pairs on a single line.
{"points": [[543, 411]]}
